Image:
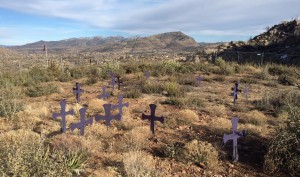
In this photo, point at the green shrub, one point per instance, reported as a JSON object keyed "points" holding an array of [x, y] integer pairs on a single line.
{"points": [[41, 90], [219, 78], [152, 87], [194, 103], [133, 93], [173, 89], [173, 101], [91, 80], [10, 100], [220, 61], [199, 152], [64, 77], [278, 102], [41, 75], [26, 155], [283, 152]]}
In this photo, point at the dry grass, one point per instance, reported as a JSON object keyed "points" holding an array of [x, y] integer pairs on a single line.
{"points": [[184, 117], [220, 125], [139, 163], [136, 139], [254, 117], [96, 105], [216, 110]]}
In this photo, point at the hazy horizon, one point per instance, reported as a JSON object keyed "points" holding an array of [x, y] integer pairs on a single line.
{"points": [[23, 22]]}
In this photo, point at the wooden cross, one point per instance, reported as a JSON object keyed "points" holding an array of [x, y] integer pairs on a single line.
{"points": [[234, 136], [63, 115], [120, 105], [152, 117], [77, 90], [83, 122], [235, 92], [104, 95], [107, 117]]}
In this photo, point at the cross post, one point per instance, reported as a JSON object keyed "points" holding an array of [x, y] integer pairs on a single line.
{"points": [[104, 95], [120, 105], [107, 117], [77, 90], [63, 115], [83, 122], [234, 136], [152, 118]]}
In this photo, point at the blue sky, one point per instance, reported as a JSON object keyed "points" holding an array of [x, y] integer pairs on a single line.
{"points": [[25, 21]]}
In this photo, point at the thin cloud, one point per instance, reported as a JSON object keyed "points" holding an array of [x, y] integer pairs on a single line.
{"points": [[213, 17]]}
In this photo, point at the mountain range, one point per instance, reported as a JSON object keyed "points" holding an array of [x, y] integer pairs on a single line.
{"points": [[171, 41]]}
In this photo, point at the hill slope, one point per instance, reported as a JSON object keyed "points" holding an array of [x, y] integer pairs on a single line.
{"points": [[165, 41]]}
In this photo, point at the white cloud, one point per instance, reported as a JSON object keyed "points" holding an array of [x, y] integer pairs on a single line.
{"points": [[213, 17]]}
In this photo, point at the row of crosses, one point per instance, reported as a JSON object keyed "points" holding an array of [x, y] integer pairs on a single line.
{"points": [[83, 121], [108, 117]]}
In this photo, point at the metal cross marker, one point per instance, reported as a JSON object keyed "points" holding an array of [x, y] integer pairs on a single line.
{"points": [[104, 95], [77, 90], [152, 117], [63, 115], [235, 92], [113, 79], [120, 105], [107, 117], [83, 122], [234, 136], [147, 75], [119, 82], [246, 91], [199, 80]]}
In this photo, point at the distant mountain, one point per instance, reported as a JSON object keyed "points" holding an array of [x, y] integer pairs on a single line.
{"points": [[173, 41]]}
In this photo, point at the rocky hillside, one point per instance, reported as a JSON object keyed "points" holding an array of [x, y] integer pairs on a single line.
{"points": [[281, 41], [171, 41]]}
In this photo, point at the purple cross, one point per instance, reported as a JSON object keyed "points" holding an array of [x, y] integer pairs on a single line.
{"points": [[147, 75], [120, 105], [246, 91], [81, 125], [104, 95], [199, 80], [77, 90], [63, 115], [113, 79], [107, 117], [234, 136], [235, 92], [152, 117]]}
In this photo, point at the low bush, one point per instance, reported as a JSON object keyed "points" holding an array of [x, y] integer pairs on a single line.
{"points": [[26, 155], [200, 153], [173, 89], [182, 118], [152, 87], [278, 102], [283, 152], [173, 101], [41, 90], [10, 100], [133, 93]]}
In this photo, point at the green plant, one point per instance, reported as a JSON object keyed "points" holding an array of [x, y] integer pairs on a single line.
{"points": [[41, 90], [264, 74], [173, 89], [133, 93], [283, 153], [173, 101], [76, 160], [200, 152], [152, 87], [10, 100], [287, 80], [26, 155], [278, 102]]}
